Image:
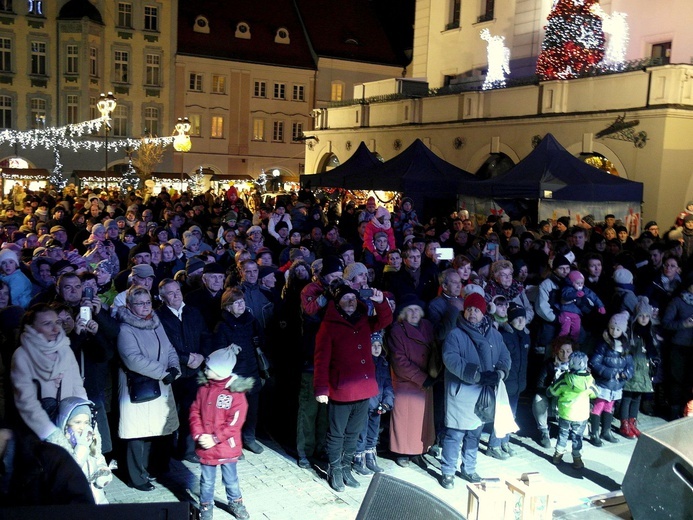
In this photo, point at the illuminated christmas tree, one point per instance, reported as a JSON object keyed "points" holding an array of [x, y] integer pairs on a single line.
{"points": [[574, 40]]}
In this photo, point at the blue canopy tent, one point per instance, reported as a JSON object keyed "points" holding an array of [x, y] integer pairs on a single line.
{"points": [[557, 180], [361, 160]]}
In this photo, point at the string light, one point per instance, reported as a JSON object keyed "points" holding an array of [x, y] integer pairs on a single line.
{"points": [[130, 179], [57, 178], [616, 28], [195, 182], [498, 56]]}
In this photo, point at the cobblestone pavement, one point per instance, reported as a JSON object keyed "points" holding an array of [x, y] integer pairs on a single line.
{"points": [[275, 488]]}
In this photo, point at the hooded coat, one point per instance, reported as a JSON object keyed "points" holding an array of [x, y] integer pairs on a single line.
{"points": [[574, 391], [138, 345], [611, 368]]}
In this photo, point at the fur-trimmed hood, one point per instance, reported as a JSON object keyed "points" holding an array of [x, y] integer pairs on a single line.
{"points": [[126, 316]]}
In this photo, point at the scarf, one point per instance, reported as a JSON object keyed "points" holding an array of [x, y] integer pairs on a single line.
{"points": [[353, 319], [494, 289], [41, 352]]}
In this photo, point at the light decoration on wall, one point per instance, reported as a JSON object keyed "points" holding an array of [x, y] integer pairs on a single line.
{"points": [[181, 137], [616, 28], [498, 57], [574, 41]]}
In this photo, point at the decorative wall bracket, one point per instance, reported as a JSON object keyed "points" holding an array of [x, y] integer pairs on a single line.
{"points": [[623, 130]]}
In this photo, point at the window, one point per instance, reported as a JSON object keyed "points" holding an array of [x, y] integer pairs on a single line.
{"points": [[151, 121], [121, 61], [486, 11], [5, 55], [93, 111], [93, 62], [279, 91], [296, 131], [337, 91], [218, 84], [454, 15], [153, 70], [194, 124], [38, 113], [72, 109], [120, 121], [151, 18], [662, 50], [35, 7], [260, 89], [258, 129], [38, 58], [5, 111], [196, 82], [217, 127], [124, 15], [6, 7], [72, 52], [278, 131], [299, 93]]}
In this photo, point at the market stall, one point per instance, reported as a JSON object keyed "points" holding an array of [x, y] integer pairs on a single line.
{"points": [[33, 179]]}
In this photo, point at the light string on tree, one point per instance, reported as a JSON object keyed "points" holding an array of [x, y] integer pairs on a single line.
{"points": [[130, 178], [57, 178]]}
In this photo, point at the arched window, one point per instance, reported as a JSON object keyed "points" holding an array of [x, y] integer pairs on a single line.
{"points": [[599, 161], [328, 162]]}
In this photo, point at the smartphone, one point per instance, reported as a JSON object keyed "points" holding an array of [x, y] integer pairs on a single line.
{"points": [[365, 293], [85, 313], [445, 253], [88, 293]]}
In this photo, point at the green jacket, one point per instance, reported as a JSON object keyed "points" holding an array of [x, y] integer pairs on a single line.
{"points": [[574, 391]]}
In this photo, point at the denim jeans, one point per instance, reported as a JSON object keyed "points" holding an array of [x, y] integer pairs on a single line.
{"points": [[572, 429], [451, 449], [229, 477]]}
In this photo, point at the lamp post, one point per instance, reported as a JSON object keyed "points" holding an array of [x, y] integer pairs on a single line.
{"points": [[106, 105], [181, 143]]}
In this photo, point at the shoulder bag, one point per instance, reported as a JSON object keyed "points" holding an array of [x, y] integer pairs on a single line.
{"points": [[141, 388]]}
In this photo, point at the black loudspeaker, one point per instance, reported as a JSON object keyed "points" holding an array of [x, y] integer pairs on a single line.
{"points": [[389, 498], [155, 511], [659, 480]]}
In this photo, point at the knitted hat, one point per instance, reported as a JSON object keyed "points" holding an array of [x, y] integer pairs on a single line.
{"points": [[109, 224], [143, 271], [191, 241], [620, 320], [342, 290], [351, 271], [589, 220], [104, 265], [576, 276], [643, 307], [97, 228], [230, 215], [516, 310], [472, 288], [623, 276], [223, 361], [650, 224], [688, 218], [559, 260], [194, 264], [331, 264], [266, 270], [8, 254], [295, 253], [408, 300], [281, 225], [475, 300], [381, 212], [565, 221], [82, 409], [577, 362], [379, 234]]}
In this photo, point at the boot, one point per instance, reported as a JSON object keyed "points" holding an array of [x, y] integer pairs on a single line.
{"points": [[372, 461], [607, 418], [359, 464], [626, 429], [557, 458], [348, 478], [634, 427], [206, 511], [237, 509], [577, 462], [334, 475], [595, 422]]}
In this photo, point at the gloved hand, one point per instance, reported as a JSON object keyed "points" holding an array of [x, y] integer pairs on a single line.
{"points": [[102, 477], [489, 378], [428, 382], [602, 310], [84, 438], [580, 294], [171, 376]]}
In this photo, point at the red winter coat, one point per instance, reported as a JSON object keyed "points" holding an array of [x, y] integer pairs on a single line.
{"points": [[220, 409], [344, 369]]}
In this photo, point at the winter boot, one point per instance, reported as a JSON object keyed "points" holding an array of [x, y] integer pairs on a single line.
{"points": [[359, 464], [634, 426], [626, 429], [607, 418], [577, 462], [557, 458], [348, 478], [237, 509], [545, 439], [334, 475], [595, 422], [372, 461], [206, 511]]}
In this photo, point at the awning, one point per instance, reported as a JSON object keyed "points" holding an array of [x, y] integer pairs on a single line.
{"points": [[226, 177]]}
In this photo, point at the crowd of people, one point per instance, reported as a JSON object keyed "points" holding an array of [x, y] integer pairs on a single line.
{"points": [[187, 326]]}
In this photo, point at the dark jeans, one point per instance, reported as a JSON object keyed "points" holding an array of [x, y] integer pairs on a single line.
{"points": [[138, 459], [184, 390], [311, 426], [368, 438], [344, 423], [451, 449], [630, 405], [248, 430]]}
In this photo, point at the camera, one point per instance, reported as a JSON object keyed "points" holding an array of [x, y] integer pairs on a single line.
{"points": [[365, 293]]}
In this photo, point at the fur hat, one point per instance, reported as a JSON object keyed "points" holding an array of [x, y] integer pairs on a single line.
{"points": [[516, 310], [475, 300], [351, 271], [577, 362], [8, 254], [643, 307], [623, 276], [620, 320], [576, 276], [331, 264], [223, 361]]}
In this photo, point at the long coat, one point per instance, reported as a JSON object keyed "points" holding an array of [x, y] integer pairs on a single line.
{"points": [[412, 429], [467, 353], [138, 344], [344, 369]]}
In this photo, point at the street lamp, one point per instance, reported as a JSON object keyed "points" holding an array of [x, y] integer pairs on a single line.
{"points": [[181, 143], [106, 105]]}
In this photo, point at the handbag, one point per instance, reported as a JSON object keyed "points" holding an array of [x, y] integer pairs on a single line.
{"points": [[485, 408], [50, 404], [263, 364], [141, 388]]}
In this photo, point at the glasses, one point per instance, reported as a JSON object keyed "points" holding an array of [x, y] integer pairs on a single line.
{"points": [[238, 303], [141, 304]]}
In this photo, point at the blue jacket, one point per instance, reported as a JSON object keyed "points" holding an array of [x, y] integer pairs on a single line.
{"points": [[517, 343], [386, 395], [611, 369]]}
